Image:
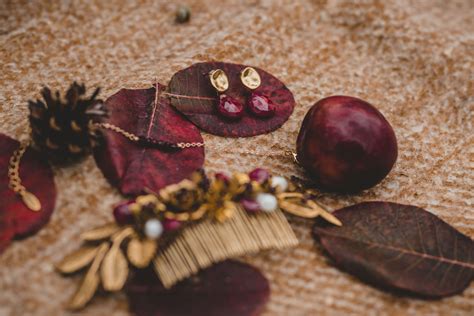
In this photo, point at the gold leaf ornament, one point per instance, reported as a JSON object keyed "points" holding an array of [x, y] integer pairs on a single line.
{"points": [[91, 281], [31, 201], [114, 270], [140, 252], [77, 260], [100, 233]]}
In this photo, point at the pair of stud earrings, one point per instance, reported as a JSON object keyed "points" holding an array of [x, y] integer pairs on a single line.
{"points": [[258, 104]]}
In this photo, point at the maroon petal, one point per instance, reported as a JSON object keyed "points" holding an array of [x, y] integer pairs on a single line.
{"points": [[16, 220], [193, 95], [227, 288], [132, 167]]}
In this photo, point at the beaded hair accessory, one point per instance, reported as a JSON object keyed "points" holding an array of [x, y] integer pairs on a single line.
{"points": [[189, 226]]}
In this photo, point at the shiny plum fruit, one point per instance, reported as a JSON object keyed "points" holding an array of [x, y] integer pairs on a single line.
{"points": [[346, 144]]}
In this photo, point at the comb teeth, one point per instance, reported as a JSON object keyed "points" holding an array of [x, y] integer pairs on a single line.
{"points": [[209, 242]]}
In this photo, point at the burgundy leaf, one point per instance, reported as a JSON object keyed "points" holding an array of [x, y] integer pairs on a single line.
{"points": [[192, 94], [131, 166], [16, 220], [227, 288], [400, 247]]}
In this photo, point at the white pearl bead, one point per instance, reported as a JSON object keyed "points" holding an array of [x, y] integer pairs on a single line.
{"points": [[279, 183], [267, 202], [153, 229]]}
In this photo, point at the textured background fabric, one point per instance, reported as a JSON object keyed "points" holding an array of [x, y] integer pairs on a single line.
{"points": [[412, 59]]}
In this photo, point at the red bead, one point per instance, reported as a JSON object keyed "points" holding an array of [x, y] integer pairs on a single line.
{"points": [[222, 177], [260, 175], [260, 105], [250, 206], [171, 224], [230, 107], [122, 213]]}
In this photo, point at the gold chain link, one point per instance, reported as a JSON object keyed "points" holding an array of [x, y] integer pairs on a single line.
{"points": [[14, 180], [189, 145], [135, 138], [30, 200], [130, 136]]}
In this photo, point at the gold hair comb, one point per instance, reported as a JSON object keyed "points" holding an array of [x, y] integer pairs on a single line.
{"points": [[189, 226]]}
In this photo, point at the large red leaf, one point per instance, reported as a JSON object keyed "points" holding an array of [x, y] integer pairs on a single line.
{"points": [[228, 288], [16, 220], [400, 247], [193, 95], [131, 166]]}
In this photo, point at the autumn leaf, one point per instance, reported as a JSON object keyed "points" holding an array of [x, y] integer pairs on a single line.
{"points": [[192, 94], [131, 166], [17, 220], [399, 247], [229, 288]]}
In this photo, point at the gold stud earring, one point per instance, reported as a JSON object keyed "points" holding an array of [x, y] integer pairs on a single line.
{"points": [[227, 106], [259, 104]]}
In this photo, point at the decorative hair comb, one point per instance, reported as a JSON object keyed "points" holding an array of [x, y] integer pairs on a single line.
{"points": [[189, 226]]}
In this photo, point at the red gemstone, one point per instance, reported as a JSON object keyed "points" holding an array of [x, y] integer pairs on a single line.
{"points": [[122, 213], [250, 206], [260, 105], [230, 107], [260, 175], [171, 224], [222, 177]]}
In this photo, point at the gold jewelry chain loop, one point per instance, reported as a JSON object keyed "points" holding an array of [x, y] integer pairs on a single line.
{"points": [[136, 138], [14, 180], [30, 200], [116, 129]]}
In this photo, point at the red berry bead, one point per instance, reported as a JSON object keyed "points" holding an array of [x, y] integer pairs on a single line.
{"points": [[260, 105], [171, 224], [259, 175], [230, 107], [250, 205], [222, 177], [122, 214]]}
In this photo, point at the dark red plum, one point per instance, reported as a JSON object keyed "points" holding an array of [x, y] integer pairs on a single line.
{"points": [[346, 144]]}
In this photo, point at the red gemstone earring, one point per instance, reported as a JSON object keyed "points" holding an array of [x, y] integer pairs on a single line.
{"points": [[228, 107], [259, 104]]}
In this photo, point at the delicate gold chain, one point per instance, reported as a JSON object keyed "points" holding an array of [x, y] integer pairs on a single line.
{"points": [[31, 201], [14, 180], [189, 145], [116, 129], [14, 169], [136, 138]]}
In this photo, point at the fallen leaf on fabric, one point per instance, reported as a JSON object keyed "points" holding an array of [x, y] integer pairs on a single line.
{"points": [[192, 94], [228, 288], [399, 247], [16, 219], [131, 167]]}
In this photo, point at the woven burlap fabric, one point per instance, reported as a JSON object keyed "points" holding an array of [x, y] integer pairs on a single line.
{"points": [[412, 59]]}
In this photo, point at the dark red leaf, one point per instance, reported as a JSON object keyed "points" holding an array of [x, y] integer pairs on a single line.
{"points": [[400, 247], [16, 220], [193, 95], [132, 167], [227, 288]]}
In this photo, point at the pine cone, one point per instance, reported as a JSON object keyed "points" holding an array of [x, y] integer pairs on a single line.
{"points": [[61, 128]]}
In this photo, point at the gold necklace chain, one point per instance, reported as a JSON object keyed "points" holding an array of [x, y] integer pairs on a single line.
{"points": [[33, 203], [144, 140], [14, 180]]}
